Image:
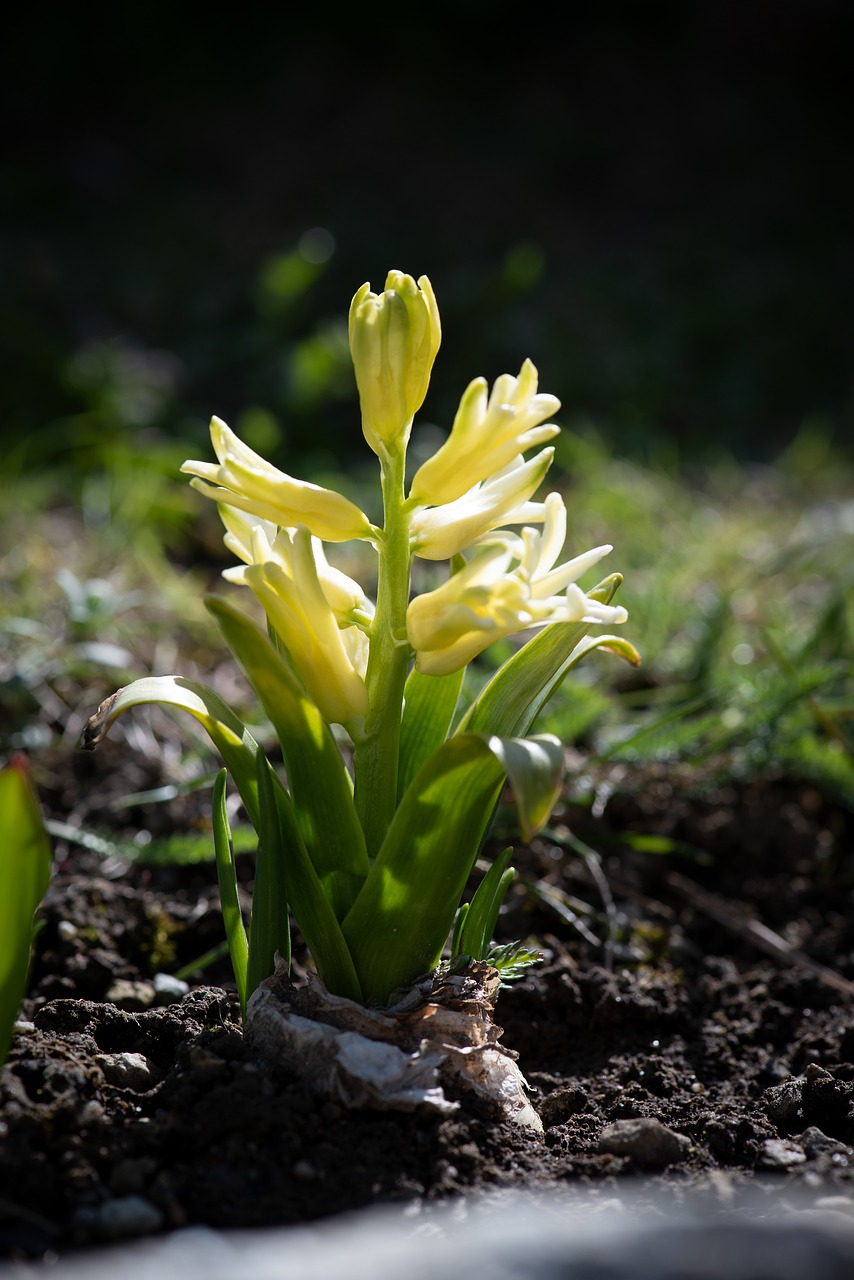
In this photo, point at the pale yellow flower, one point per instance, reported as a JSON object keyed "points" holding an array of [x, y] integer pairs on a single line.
{"points": [[243, 479], [503, 498], [257, 541], [330, 660], [394, 337], [488, 600], [487, 434]]}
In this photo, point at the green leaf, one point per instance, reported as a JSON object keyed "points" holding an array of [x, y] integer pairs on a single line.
{"points": [[428, 713], [317, 776], [235, 932], [617, 645], [25, 864], [226, 730], [459, 925], [269, 926], [512, 960], [301, 888], [479, 921], [400, 921], [534, 769], [519, 690]]}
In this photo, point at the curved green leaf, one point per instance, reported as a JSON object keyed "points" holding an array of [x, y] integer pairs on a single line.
{"points": [[400, 921], [317, 776], [519, 690], [226, 730], [611, 644]]}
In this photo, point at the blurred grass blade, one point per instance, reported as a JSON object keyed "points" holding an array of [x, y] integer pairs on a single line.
{"points": [[428, 713], [25, 864], [479, 921], [225, 729], [401, 919], [235, 932], [317, 776], [520, 688]]}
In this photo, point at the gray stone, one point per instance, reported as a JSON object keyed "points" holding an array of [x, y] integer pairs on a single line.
{"points": [[127, 1216], [782, 1102], [127, 1071], [133, 997], [816, 1143], [779, 1153], [168, 990], [645, 1140]]}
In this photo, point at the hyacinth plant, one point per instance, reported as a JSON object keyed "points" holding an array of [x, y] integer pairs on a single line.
{"points": [[372, 859]]}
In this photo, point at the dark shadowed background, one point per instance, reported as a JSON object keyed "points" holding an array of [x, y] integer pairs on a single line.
{"points": [[652, 200]]}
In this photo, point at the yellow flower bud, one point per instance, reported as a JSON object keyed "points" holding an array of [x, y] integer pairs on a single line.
{"points": [[394, 337]]}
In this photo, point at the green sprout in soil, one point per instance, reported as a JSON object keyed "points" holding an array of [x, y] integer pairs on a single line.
{"points": [[25, 867], [373, 862]]}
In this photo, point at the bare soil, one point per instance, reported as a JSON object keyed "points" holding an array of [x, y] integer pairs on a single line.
{"points": [[708, 990]]}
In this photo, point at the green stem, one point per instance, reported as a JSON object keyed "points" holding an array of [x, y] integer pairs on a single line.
{"points": [[375, 758]]}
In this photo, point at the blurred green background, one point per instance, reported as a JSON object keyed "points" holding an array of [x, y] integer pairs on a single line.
{"points": [[652, 200]]}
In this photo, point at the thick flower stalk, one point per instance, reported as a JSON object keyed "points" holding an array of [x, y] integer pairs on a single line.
{"points": [[373, 857]]}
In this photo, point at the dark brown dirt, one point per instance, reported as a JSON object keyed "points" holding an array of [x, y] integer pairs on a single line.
{"points": [[713, 994]]}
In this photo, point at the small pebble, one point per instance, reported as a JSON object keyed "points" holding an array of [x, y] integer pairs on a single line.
{"points": [[168, 990], [127, 1216], [777, 1153], [816, 1143], [92, 1113], [127, 1071], [645, 1140], [133, 997], [782, 1102]]}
